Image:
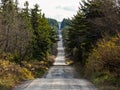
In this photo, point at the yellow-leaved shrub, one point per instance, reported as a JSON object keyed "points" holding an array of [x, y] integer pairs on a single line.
{"points": [[11, 74], [26, 74], [104, 61]]}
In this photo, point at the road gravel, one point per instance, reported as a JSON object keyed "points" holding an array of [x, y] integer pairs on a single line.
{"points": [[59, 77]]}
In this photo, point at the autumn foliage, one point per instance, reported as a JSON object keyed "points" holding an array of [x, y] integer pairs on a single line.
{"points": [[104, 60]]}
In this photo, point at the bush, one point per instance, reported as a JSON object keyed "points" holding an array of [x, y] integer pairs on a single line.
{"points": [[38, 68], [11, 74], [103, 63], [26, 74]]}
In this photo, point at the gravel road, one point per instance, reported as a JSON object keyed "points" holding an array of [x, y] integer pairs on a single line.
{"points": [[59, 77]]}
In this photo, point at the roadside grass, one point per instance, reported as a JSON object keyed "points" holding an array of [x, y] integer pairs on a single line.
{"points": [[102, 82], [106, 82]]}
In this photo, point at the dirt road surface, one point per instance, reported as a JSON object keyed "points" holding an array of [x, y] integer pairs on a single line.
{"points": [[59, 77]]}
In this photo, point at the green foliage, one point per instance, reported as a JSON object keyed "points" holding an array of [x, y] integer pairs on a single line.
{"points": [[26, 40], [12, 73], [92, 22], [89, 40], [65, 35], [42, 34], [16, 32], [25, 35], [53, 23], [105, 57], [78, 39], [103, 64], [38, 68], [65, 23]]}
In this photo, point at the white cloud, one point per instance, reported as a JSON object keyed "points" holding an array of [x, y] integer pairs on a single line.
{"points": [[57, 9]]}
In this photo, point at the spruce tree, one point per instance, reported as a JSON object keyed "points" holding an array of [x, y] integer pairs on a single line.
{"points": [[42, 32]]}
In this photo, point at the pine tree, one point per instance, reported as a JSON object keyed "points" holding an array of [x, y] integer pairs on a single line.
{"points": [[42, 32], [94, 20]]}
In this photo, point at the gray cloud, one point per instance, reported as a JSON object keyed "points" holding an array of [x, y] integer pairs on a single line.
{"points": [[59, 7], [66, 8]]}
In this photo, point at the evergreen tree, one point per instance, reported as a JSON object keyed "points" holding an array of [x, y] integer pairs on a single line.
{"points": [[65, 23], [94, 20], [54, 25], [54, 36], [42, 32]]}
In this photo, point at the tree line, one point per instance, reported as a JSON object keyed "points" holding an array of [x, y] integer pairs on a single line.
{"points": [[92, 38], [25, 33]]}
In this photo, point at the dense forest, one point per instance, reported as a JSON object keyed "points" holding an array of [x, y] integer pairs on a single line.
{"points": [[92, 40], [28, 42], [27, 39]]}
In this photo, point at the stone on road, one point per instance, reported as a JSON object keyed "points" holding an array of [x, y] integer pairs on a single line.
{"points": [[59, 77]]}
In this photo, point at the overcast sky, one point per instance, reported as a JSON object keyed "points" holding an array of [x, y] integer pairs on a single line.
{"points": [[57, 9]]}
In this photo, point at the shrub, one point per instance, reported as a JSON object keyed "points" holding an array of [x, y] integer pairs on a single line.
{"points": [[38, 68], [104, 60], [26, 74], [11, 73]]}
